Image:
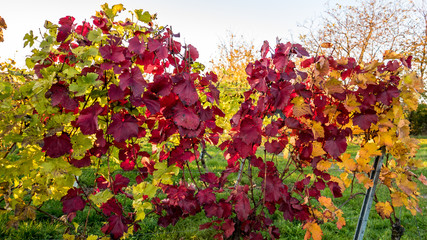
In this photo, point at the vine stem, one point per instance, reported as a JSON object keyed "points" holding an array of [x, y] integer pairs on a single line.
{"points": [[87, 197], [56, 218], [191, 176], [239, 176], [351, 197]]}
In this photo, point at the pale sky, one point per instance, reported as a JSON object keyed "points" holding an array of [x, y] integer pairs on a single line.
{"points": [[201, 23]]}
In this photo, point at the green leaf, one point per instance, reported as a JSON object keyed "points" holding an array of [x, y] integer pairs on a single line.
{"points": [[70, 72], [143, 17], [29, 39], [112, 12], [101, 197], [30, 64], [81, 143], [5, 90], [95, 35], [83, 83]]}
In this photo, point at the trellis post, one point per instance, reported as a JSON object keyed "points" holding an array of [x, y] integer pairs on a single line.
{"points": [[367, 202]]}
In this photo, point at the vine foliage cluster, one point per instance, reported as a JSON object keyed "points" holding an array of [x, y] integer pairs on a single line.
{"points": [[125, 96]]}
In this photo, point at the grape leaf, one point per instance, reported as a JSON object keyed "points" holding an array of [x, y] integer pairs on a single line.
{"points": [[384, 209], [55, 146], [72, 202], [123, 127], [133, 79], [88, 119], [186, 118], [115, 226]]}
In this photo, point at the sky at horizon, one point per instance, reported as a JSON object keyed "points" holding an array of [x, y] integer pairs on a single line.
{"points": [[201, 23]]}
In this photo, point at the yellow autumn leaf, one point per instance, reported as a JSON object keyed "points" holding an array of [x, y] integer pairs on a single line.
{"points": [[384, 209], [347, 162], [351, 103], [388, 54], [323, 165], [334, 85], [387, 138], [317, 149], [68, 237], [405, 184], [318, 130], [300, 108], [368, 150], [345, 179], [413, 81]]}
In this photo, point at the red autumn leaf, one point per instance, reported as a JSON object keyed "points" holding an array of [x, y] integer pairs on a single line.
{"points": [[154, 44], [210, 178], [55, 146], [320, 184], [72, 202], [112, 206], [136, 46], [115, 226], [65, 29], [186, 118], [192, 52], [133, 79], [84, 162], [128, 165], [206, 196], [119, 183], [186, 91], [152, 102], [364, 120], [123, 127], [300, 50], [60, 95], [102, 183], [282, 95], [205, 226], [386, 97], [113, 53], [271, 130], [336, 147], [274, 189], [335, 189], [274, 147], [250, 130], [228, 227], [88, 119], [115, 93], [242, 206], [213, 95], [281, 56], [264, 49], [161, 85]]}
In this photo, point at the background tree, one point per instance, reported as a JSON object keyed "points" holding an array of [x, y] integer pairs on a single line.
{"points": [[234, 54], [366, 30]]}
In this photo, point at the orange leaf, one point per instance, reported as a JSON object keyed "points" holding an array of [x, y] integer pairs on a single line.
{"points": [[313, 230], [362, 178], [423, 179], [327, 202]]}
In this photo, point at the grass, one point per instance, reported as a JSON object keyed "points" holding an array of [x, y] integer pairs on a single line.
{"points": [[415, 226]]}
